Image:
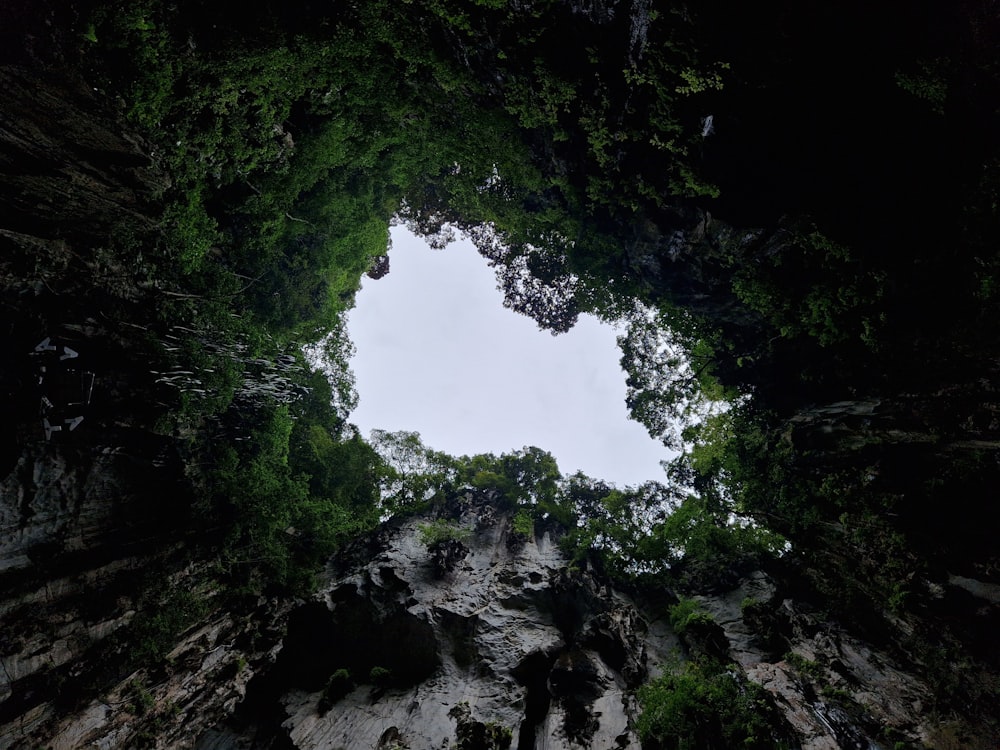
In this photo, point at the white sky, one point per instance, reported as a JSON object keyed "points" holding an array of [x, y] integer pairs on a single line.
{"points": [[439, 354]]}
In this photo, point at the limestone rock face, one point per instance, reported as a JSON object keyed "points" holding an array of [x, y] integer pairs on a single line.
{"points": [[508, 644], [509, 647], [834, 690], [512, 647]]}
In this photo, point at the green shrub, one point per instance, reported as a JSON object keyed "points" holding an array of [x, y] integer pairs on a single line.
{"points": [[839, 695], [442, 531], [497, 735], [687, 614], [141, 700], [524, 524], [379, 675], [336, 688], [929, 83], [803, 665], [190, 231], [706, 706], [160, 621]]}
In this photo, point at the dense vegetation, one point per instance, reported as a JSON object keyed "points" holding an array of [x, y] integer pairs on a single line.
{"points": [[291, 142], [800, 242]]}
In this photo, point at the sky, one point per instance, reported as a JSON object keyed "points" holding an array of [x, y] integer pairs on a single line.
{"points": [[437, 353]]}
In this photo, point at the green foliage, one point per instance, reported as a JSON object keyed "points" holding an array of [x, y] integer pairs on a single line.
{"points": [[160, 618], [524, 524], [139, 30], [336, 687], [706, 706], [379, 675], [612, 526], [190, 231], [413, 473], [815, 288], [804, 666], [141, 700], [281, 512], [699, 81], [669, 360], [709, 534], [738, 468], [497, 735], [540, 100], [687, 614], [837, 694], [928, 82], [528, 477], [708, 542], [287, 157], [260, 494], [440, 530], [478, 735]]}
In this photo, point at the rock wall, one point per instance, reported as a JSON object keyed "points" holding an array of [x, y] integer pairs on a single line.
{"points": [[508, 637], [497, 642], [511, 646], [93, 544]]}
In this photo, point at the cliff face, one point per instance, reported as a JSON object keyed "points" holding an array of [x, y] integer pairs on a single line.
{"points": [[92, 540], [490, 642], [495, 632], [496, 642]]}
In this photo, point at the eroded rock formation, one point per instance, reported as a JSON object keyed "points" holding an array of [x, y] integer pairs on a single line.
{"points": [[509, 648], [516, 648]]}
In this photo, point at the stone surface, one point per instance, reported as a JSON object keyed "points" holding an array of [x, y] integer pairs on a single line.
{"points": [[513, 639], [512, 635], [512, 644]]}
